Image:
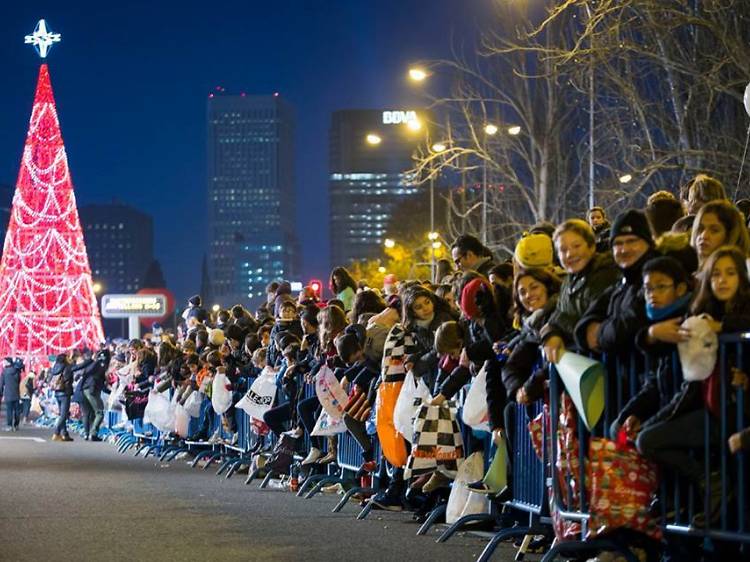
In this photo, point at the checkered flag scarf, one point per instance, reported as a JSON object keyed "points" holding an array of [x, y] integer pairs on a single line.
{"points": [[399, 344], [438, 444]]}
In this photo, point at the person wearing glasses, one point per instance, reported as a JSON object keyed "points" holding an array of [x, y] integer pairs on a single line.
{"points": [[469, 254]]}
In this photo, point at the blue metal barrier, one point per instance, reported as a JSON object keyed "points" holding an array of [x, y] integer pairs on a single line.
{"points": [[732, 524]]}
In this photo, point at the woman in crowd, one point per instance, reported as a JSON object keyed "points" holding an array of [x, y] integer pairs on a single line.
{"points": [[718, 223], [343, 286]]}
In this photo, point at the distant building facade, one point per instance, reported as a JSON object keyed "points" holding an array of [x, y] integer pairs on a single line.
{"points": [[120, 244], [368, 180], [250, 195]]}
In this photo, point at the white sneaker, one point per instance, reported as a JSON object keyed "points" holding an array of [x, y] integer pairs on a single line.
{"points": [[312, 456], [216, 437], [297, 432]]}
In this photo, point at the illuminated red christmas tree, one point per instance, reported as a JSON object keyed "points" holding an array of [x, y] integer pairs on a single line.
{"points": [[47, 301]]}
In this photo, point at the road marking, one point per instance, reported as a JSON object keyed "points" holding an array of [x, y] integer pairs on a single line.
{"points": [[35, 439]]}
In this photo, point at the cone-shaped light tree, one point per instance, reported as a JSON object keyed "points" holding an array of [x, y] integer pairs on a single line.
{"points": [[47, 301]]}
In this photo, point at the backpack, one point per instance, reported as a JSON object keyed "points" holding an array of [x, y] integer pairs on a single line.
{"points": [[283, 455]]}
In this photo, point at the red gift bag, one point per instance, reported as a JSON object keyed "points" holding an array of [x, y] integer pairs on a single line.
{"points": [[622, 484]]}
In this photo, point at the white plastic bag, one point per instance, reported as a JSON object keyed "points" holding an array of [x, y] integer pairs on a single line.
{"points": [[325, 426], [114, 403], [221, 397], [475, 412], [332, 397], [258, 400], [193, 404], [405, 410], [462, 501], [159, 411], [181, 421]]}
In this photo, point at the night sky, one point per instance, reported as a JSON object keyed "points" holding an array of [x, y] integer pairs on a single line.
{"points": [[131, 82]]}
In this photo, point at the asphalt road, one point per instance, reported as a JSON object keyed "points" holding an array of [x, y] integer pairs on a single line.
{"points": [[83, 501]]}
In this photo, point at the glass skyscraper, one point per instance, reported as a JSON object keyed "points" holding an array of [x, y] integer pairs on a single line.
{"points": [[250, 195], [368, 181]]}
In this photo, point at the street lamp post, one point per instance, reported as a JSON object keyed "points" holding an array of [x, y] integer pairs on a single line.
{"points": [[489, 131]]}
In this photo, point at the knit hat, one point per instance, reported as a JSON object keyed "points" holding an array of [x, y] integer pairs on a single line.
{"points": [[195, 300], [472, 295], [216, 337], [534, 250], [631, 222]]}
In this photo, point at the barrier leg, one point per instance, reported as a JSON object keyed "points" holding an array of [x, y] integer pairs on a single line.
{"points": [[502, 536], [322, 482], [365, 511], [236, 466], [309, 482], [200, 456], [463, 521], [432, 518], [266, 480], [251, 476], [348, 495], [211, 459]]}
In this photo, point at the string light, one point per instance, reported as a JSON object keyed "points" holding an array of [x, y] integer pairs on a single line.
{"points": [[47, 300]]}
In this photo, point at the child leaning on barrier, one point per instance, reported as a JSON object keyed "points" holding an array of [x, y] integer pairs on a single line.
{"points": [[666, 288], [723, 297]]}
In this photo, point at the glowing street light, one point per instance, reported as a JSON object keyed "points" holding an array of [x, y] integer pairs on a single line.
{"points": [[216, 308], [97, 288], [439, 147], [514, 130], [414, 124], [389, 243], [373, 139], [433, 235], [436, 244], [490, 129], [626, 178], [381, 269], [417, 74]]}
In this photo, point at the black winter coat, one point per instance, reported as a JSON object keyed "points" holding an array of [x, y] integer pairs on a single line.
{"points": [[10, 383], [621, 311]]}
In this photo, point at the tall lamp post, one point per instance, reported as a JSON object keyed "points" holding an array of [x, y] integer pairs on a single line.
{"points": [[437, 148]]}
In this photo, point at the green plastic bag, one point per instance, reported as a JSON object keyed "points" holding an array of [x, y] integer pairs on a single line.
{"points": [[496, 477]]}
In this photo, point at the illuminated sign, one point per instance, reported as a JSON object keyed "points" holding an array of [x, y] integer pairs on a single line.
{"points": [[399, 117], [126, 306]]}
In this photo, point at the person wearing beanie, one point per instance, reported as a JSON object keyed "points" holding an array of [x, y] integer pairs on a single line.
{"points": [[611, 322], [534, 250], [195, 310], [475, 294]]}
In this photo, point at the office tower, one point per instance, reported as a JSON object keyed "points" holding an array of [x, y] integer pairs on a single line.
{"points": [[370, 155], [250, 195]]}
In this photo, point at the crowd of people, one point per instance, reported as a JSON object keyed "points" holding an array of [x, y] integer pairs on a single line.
{"points": [[587, 285]]}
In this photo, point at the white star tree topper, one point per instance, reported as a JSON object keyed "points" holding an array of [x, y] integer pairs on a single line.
{"points": [[42, 39]]}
